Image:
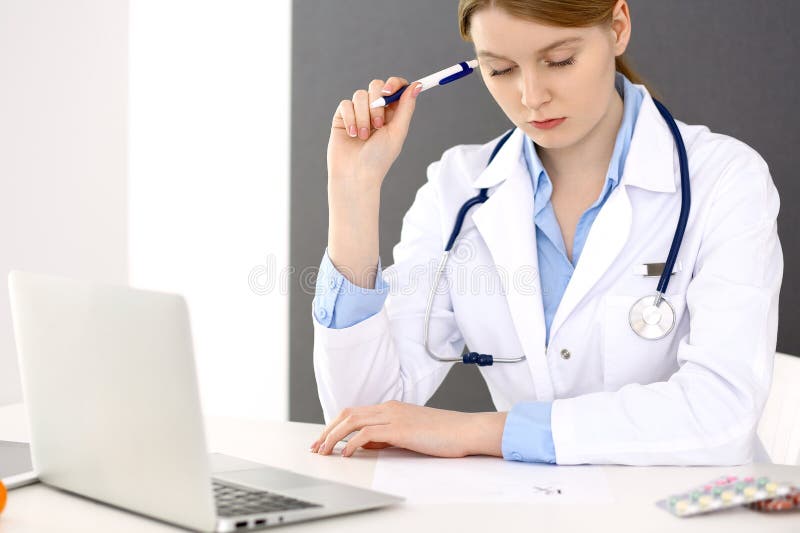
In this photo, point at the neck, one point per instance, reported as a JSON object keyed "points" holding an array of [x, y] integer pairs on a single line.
{"points": [[584, 161]]}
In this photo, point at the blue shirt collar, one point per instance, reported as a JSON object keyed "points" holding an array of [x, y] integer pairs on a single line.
{"points": [[631, 98]]}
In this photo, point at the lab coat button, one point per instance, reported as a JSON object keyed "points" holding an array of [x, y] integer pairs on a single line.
{"points": [[322, 314], [565, 354], [516, 456]]}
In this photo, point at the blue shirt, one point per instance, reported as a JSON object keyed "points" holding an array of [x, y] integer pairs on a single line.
{"points": [[527, 435]]}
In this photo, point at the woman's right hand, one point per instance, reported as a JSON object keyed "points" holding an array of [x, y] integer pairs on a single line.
{"points": [[364, 142]]}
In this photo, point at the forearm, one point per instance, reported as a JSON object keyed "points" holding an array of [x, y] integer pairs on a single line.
{"points": [[353, 232]]}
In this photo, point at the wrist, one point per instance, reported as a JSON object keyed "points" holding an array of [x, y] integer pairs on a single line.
{"points": [[355, 187], [486, 433]]}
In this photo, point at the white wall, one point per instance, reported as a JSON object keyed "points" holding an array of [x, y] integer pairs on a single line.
{"points": [[201, 202], [63, 135], [209, 185]]}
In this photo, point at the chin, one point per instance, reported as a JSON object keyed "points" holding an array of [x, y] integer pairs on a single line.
{"points": [[548, 139]]}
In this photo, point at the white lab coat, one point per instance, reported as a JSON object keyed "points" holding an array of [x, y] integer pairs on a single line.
{"points": [[692, 398]]}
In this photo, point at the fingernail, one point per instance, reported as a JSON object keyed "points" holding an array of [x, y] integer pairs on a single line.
{"points": [[378, 121], [386, 90], [352, 131], [417, 90], [363, 133]]}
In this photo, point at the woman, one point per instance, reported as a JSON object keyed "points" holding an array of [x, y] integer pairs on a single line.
{"points": [[577, 208]]}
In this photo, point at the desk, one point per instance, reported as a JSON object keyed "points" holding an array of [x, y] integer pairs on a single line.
{"points": [[38, 508]]}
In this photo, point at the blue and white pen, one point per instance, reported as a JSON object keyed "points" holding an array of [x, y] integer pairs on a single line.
{"points": [[443, 77]]}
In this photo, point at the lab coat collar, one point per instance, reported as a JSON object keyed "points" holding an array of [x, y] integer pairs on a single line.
{"points": [[507, 160], [652, 160], [650, 163]]}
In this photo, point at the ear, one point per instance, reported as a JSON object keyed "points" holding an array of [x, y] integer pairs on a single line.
{"points": [[621, 27]]}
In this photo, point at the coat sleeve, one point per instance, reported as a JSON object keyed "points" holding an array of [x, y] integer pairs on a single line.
{"points": [[383, 357], [707, 412]]}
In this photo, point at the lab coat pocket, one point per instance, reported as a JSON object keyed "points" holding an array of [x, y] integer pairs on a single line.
{"points": [[629, 358]]}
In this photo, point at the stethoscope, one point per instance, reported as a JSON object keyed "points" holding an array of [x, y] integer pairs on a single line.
{"points": [[651, 317]]}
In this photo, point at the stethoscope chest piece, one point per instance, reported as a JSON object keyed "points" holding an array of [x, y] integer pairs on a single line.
{"points": [[650, 320]]}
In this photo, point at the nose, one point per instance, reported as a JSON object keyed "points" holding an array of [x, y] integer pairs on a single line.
{"points": [[533, 91]]}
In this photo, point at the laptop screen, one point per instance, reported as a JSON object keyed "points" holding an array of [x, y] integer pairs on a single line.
{"points": [[15, 458]]}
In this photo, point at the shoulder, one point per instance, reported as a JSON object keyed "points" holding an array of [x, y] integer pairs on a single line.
{"points": [[730, 173], [723, 159], [461, 165]]}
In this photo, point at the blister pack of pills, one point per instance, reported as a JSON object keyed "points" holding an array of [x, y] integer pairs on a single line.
{"points": [[786, 502], [726, 492]]}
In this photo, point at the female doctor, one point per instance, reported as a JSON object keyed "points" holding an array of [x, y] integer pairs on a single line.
{"points": [[556, 272]]}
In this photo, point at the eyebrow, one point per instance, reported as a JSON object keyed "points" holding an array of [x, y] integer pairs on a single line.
{"points": [[486, 53]]}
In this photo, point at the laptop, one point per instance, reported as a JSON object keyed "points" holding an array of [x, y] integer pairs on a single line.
{"points": [[110, 386], [15, 464]]}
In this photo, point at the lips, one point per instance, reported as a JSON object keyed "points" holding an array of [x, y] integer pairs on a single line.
{"points": [[547, 124]]}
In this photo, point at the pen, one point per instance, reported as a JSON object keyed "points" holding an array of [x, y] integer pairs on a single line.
{"points": [[442, 77]]}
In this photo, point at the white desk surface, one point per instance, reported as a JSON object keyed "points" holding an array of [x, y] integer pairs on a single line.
{"points": [[38, 508]]}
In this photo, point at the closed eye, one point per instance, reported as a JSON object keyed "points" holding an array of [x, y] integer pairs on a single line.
{"points": [[501, 72], [554, 64]]}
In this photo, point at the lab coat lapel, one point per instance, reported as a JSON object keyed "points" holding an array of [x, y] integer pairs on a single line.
{"points": [[605, 241], [505, 222]]}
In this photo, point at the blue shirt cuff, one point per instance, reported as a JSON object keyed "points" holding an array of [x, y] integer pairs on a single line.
{"points": [[339, 304], [527, 435]]}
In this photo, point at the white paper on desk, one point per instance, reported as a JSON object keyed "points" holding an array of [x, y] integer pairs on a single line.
{"points": [[429, 480]]}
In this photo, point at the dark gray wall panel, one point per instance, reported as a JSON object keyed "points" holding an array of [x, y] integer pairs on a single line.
{"points": [[729, 64]]}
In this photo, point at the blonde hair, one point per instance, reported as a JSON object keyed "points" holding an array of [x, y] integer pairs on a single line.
{"points": [[564, 13]]}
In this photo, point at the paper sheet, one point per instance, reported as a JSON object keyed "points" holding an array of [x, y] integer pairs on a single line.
{"points": [[432, 480]]}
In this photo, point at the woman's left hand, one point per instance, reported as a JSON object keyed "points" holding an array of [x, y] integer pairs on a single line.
{"points": [[425, 430]]}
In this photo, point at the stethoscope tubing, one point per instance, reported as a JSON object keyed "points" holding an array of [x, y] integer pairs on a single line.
{"points": [[686, 199], [483, 195]]}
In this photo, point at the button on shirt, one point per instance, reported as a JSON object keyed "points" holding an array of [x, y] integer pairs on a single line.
{"points": [[526, 435]]}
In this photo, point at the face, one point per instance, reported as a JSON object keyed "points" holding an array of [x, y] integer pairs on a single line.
{"points": [[531, 82]]}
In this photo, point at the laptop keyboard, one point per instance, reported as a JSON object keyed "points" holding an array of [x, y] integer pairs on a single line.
{"points": [[237, 501]]}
